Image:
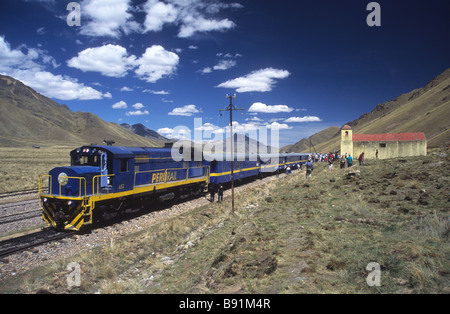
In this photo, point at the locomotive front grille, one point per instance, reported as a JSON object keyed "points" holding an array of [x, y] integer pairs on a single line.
{"points": [[63, 214]]}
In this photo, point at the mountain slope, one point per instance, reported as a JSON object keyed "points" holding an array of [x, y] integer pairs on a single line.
{"points": [[27, 117], [143, 131], [425, 110], [309, 144]]}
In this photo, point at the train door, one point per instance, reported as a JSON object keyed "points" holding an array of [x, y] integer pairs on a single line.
{"points": [[103, 170]]}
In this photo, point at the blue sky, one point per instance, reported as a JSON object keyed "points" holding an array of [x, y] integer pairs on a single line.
{"points": [[300, 66]]}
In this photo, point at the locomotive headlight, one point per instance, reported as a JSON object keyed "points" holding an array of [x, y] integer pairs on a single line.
{"points": [[69, 203], [62, 178], [44, 199]]}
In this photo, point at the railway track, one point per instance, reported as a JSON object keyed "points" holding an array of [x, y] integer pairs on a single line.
{"points": [[5, 219], [30, 241], [18, 193], [18, 211]]}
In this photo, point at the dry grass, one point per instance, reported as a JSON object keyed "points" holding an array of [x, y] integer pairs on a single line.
{"points": [[288, 236], [20, 167]]}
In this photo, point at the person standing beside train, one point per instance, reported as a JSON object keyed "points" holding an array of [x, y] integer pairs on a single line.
{"points": [[220, 194], [309, 168], [212, 191]]}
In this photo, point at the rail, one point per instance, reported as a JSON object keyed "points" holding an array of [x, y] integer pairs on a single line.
{"points": [[49, 186], [81, 186], [96, 183]]}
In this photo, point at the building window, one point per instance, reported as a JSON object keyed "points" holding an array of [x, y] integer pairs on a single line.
{"points": [[346, 133], [383, 145]]}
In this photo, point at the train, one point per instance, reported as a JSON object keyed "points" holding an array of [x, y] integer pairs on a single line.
{"points": [[103, 182]]}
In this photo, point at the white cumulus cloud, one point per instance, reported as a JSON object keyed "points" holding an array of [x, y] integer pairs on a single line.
{"points": [[107, 18], [114, 61], [137, 113], [109, 60], [258, 81], [191, 16], [186, 111], [120, 105], [156, 63], [57, 86], [192, 25], [158, 14], [138, 106], [279, 126], [303, 119], [263, 108], [178, 133]]}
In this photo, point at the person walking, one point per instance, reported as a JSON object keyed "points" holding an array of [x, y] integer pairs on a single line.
{"points": [[349, 161], [309, 168], [220, 193], [361, 159]]}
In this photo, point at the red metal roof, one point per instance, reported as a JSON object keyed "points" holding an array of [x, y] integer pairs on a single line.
{"points": [[389, 137]]}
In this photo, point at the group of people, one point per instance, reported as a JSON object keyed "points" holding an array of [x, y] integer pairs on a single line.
{"points": [[322, 157], [349, 160], [216, 189], [344, 159]]}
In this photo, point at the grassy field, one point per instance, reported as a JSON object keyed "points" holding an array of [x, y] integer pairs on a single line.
{"points": [[289, 236], [20, 167]]}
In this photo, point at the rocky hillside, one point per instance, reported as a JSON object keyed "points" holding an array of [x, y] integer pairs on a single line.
{"points": [[29, 118]]}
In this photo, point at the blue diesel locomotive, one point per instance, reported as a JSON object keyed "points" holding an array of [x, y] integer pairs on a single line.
{"points": [[105, 181]]}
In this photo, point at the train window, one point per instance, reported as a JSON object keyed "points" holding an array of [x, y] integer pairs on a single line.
{"points": [[123, 165], [86, 160]]}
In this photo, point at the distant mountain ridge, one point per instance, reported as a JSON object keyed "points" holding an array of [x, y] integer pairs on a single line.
{"points": [[143, 131], [29, 118], [425, 109]]}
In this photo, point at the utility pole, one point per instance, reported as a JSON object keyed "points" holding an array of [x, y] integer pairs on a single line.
{"points": [[230, 108]]}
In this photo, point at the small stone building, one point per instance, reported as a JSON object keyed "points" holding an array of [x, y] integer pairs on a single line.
{"points": [[382, 146]]}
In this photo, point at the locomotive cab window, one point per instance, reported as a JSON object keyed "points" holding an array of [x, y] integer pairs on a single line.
{"points": [[86, 160], [123, 165]]}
